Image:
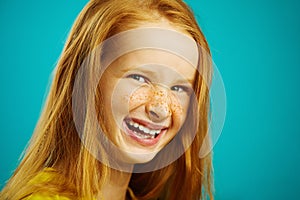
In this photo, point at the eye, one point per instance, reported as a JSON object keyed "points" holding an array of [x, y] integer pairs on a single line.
{"points": [[180, 89], [177, 88], [139, 78]]}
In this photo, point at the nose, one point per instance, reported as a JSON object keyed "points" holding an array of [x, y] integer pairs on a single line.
{"points": [[158, 108]]}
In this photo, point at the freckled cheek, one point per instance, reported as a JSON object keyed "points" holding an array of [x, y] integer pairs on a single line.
{"points": [[139, 97], [179, 111]]}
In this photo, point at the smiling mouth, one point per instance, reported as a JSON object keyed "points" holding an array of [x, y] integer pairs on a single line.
{"points": [[142, 132]]}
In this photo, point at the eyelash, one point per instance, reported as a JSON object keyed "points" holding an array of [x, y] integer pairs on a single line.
{"points": [[179, 88], [137, 77], [176, 88]]}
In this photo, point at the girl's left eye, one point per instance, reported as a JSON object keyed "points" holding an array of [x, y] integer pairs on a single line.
{"points": [[139, 78], [178, 88]]}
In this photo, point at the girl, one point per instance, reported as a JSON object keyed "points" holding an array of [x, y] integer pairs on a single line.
{"points": [[127, 112]]}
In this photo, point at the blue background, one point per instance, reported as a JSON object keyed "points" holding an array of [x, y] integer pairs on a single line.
{"points": [[256, 46]]}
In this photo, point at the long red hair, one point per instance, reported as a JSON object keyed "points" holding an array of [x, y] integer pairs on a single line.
{"points": [[55, 142]]}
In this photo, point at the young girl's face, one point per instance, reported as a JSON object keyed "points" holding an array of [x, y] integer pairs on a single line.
{"points": [[146, 96]]}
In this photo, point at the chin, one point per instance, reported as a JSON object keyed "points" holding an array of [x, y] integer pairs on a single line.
{"points": [[137, 158]]}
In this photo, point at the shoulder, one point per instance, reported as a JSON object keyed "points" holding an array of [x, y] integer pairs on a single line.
{"points": [[43, 177]]}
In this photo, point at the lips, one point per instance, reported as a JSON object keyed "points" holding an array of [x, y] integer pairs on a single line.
{"points": [[144, 133]]}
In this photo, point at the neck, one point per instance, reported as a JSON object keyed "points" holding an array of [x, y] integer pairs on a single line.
{"points": [[116, 185]]}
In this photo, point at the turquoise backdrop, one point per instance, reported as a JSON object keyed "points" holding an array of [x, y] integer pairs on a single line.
{"points": [[254, 43]]}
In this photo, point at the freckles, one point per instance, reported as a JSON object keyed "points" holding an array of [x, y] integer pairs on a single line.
{"points": [[159, 94], [162, 105], [138, 98], [177, 109], [157, 98], [178, 114], [161, 99], [176, 106]]}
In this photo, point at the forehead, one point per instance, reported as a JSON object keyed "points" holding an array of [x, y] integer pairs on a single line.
{"points": [[168, 41]]}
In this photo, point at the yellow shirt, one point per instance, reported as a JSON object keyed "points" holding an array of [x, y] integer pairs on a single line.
{"points": [[46, 175], [45, 197], [43, 176]]}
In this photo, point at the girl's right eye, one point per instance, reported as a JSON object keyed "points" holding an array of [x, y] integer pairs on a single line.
{"points": [[139, 78]]}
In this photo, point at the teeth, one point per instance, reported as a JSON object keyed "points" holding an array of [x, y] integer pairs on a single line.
{"points": [[152, 132], [141, 127], [136, 125], [143, 136], [144, 129]]}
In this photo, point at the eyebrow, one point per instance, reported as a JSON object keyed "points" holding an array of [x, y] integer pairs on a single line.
{"points": [[184, 81], [139, 68]]}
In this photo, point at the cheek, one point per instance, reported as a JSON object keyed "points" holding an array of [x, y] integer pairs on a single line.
{"points": [[139, 97], [179, 111], [119, 101]]}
